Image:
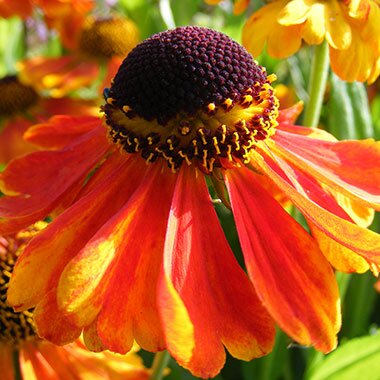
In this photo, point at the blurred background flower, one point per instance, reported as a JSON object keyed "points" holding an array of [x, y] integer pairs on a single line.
{"points": [[351, 28], [22, 106]]}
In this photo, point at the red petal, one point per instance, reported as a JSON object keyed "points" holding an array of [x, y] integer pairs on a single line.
{"points": [[6, 360], [12, 144], [37, 183], [290, 115], [340, 257], [67, 106], [70, 232], [197, 259], [51, 323], [61, 130], [358, 239], [130, 246], [290, 274], [350, 167]]}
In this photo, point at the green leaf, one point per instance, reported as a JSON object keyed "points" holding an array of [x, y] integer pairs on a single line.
{"points": [[362, 113], [375, 110], [358, 305], [349, 111], [357, 359], [341, 119]]}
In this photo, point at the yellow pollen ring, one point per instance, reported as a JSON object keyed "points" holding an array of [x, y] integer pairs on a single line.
{"points": [[211, 107], [203, 138]]}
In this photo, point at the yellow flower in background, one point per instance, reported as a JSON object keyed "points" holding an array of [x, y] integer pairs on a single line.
{"points": [[351, 28], [39, 359]]}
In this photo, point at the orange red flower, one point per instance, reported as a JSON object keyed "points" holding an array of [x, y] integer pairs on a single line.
{"points": [[55, 11], [39, 359], [98, 42], [139, 253], [351, 29], [22, 106]]}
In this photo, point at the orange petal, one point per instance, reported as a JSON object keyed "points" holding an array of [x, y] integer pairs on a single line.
{"points": [[70, 232], [61, 130], [197, 259], [112, 67], [350, 167], [6, 361], [364, 242], [32, 364], [51, 323], [240, 6], [134, 239], [68, 106], [340, 257], [290, 115], [22, 9], [290, 274], [59, 75], [12, 143], [38, 182], [286, 125]]}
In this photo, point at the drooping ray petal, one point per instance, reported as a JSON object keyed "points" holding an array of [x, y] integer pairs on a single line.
{"points": [[33, 365], [290, 115], [340, 257], [60, 130], [70, 232], [58, 362], [91, 338], [361, 215], [38, 182], [5, 359], [360, 240], [51, 323], [197, 259], [290, 274], [316, 133], [332, 162], [134, 240], [12, 144]]}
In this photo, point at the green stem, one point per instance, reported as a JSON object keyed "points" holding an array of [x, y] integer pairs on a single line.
{"points": [[343, 280], [167, 13], [161, 360], [16, 364], [317, 84]]}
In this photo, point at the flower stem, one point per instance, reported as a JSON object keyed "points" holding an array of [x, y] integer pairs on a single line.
{"points": [[317, 84], [167, 13], [161, 360], [16, 364]]}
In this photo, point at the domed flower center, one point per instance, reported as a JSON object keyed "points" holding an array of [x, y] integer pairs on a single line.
{"points": [[15, 97], [190, 95], [14, 327], [106, 38]]}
